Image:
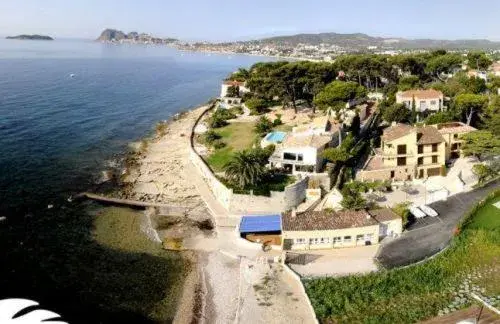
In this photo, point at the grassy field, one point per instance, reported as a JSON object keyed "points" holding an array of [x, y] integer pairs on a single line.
{"points": [[419, 292], [237, 136]]}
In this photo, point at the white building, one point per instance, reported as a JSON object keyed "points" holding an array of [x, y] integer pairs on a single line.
{"points": [[301, 153], [429, 99], [232, 100]]}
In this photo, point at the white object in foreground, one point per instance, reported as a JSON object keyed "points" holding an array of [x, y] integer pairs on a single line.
{"points": [[428, 210], [417, 212]]}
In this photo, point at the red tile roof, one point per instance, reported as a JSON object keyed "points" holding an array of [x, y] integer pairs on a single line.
{"points": [[396, 131], [428, 135], [422, 94], [329, 220]]}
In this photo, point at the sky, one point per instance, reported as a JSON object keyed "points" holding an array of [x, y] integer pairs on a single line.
{"points": [[222, 20]]}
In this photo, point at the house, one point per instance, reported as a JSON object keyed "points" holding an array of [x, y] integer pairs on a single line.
{"points": [[425, 100], [478, 74], [301, 152], [451, 133], [231, 99], [410, 152], [328, 229], [322, 125], [495, 68]]}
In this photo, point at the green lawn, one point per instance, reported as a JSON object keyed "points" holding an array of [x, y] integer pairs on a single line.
{"points": [[237, 136], [488, 217], [419, 292]]}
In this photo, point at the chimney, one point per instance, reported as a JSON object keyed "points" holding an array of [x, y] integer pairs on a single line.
{"points": [[294, 212]]}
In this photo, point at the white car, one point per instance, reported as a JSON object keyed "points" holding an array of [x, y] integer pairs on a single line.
{"points": [[428, 210], [417, 212]]}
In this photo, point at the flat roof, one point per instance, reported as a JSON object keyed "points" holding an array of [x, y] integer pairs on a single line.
{"points": [[259, 224]]}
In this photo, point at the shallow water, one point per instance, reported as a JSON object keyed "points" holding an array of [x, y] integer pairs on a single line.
{"points": [[57, 133]]}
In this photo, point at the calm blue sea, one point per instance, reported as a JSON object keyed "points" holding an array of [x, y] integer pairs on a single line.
{"points": [[67, 109], [57, 132]]}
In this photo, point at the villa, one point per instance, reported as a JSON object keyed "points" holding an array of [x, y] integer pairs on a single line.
{"points": [[425, 100], [328, 229], [231, 100], [301, 153], [409, 152]]}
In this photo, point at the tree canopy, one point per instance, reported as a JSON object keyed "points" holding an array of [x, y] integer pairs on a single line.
{"points": [[396, 113], [469, 105], [481, 143], [337, 93]]}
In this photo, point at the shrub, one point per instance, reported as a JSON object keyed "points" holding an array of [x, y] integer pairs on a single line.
{"points": [[263, 126], [216, 121], [210, 137], [218, 144], [402, 209], [257, 106], [277, 121], [237, 110]]}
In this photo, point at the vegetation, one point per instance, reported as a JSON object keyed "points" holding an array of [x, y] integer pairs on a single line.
{"points": [[403, 210], [337, 93], [481, 144], [396, 113], [245, 168], [237, 137], [483, 172], [419, 292], [263, 126], [233, 91], [257, 106]]}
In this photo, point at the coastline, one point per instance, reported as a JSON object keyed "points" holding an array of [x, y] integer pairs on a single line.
{"points": [[155, 171]]}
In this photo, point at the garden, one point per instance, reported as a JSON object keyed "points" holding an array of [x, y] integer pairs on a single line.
{"points": [[439, 286], [235, 151]]}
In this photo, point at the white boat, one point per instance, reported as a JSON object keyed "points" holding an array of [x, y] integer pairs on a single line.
{"points": [[417, 212], [428, 210]]}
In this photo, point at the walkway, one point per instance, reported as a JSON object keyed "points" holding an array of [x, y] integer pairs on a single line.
{"points": [[338, 262], [425, 240]]}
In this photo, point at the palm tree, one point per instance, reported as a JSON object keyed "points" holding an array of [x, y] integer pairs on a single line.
{"points": [[245, 168]]}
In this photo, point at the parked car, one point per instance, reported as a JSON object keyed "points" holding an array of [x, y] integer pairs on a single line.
{"points": [[417, 212], [428, 210]]}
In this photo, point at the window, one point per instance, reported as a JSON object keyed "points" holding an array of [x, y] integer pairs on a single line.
{"points": [[337, 239], [433, 102], [324, 240], [392, 174], [454, 146], [314, 240], [455, 136], [434, 147], [300, 157], [401, 161], [420, 149], [289, 156], [389, 145], [360, 238], [300, 241], [434, 159], [401, 149], [420, 161], [347, 239], [369, 237]]}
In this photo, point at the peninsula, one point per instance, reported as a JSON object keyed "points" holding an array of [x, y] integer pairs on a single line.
{"points": [[31, 37]]}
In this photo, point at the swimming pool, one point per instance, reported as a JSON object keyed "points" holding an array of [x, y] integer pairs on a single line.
{"points": [[275, 137]]}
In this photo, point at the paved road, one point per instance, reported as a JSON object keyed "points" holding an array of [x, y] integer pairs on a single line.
{"points": [[429, 236]]}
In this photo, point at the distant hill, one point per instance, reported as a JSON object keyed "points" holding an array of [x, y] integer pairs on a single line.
{"points": [[114, 35], [31, 37], [359, 40]]}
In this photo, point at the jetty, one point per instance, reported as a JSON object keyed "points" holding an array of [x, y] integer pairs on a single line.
{"points": [[163, 209]]}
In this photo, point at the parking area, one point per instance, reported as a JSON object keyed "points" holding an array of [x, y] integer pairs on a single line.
{"points": [[429, 235]]}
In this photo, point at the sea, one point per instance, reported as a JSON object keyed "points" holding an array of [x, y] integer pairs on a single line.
{"points": [[68, 110]]}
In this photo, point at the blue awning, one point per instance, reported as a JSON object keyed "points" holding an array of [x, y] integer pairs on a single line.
{"points": [[259, 224]]}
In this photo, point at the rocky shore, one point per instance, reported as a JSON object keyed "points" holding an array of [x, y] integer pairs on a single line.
{"points": [[157, 172]]}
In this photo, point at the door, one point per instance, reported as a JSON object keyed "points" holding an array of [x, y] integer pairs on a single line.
{"points": [[383, 230]]}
